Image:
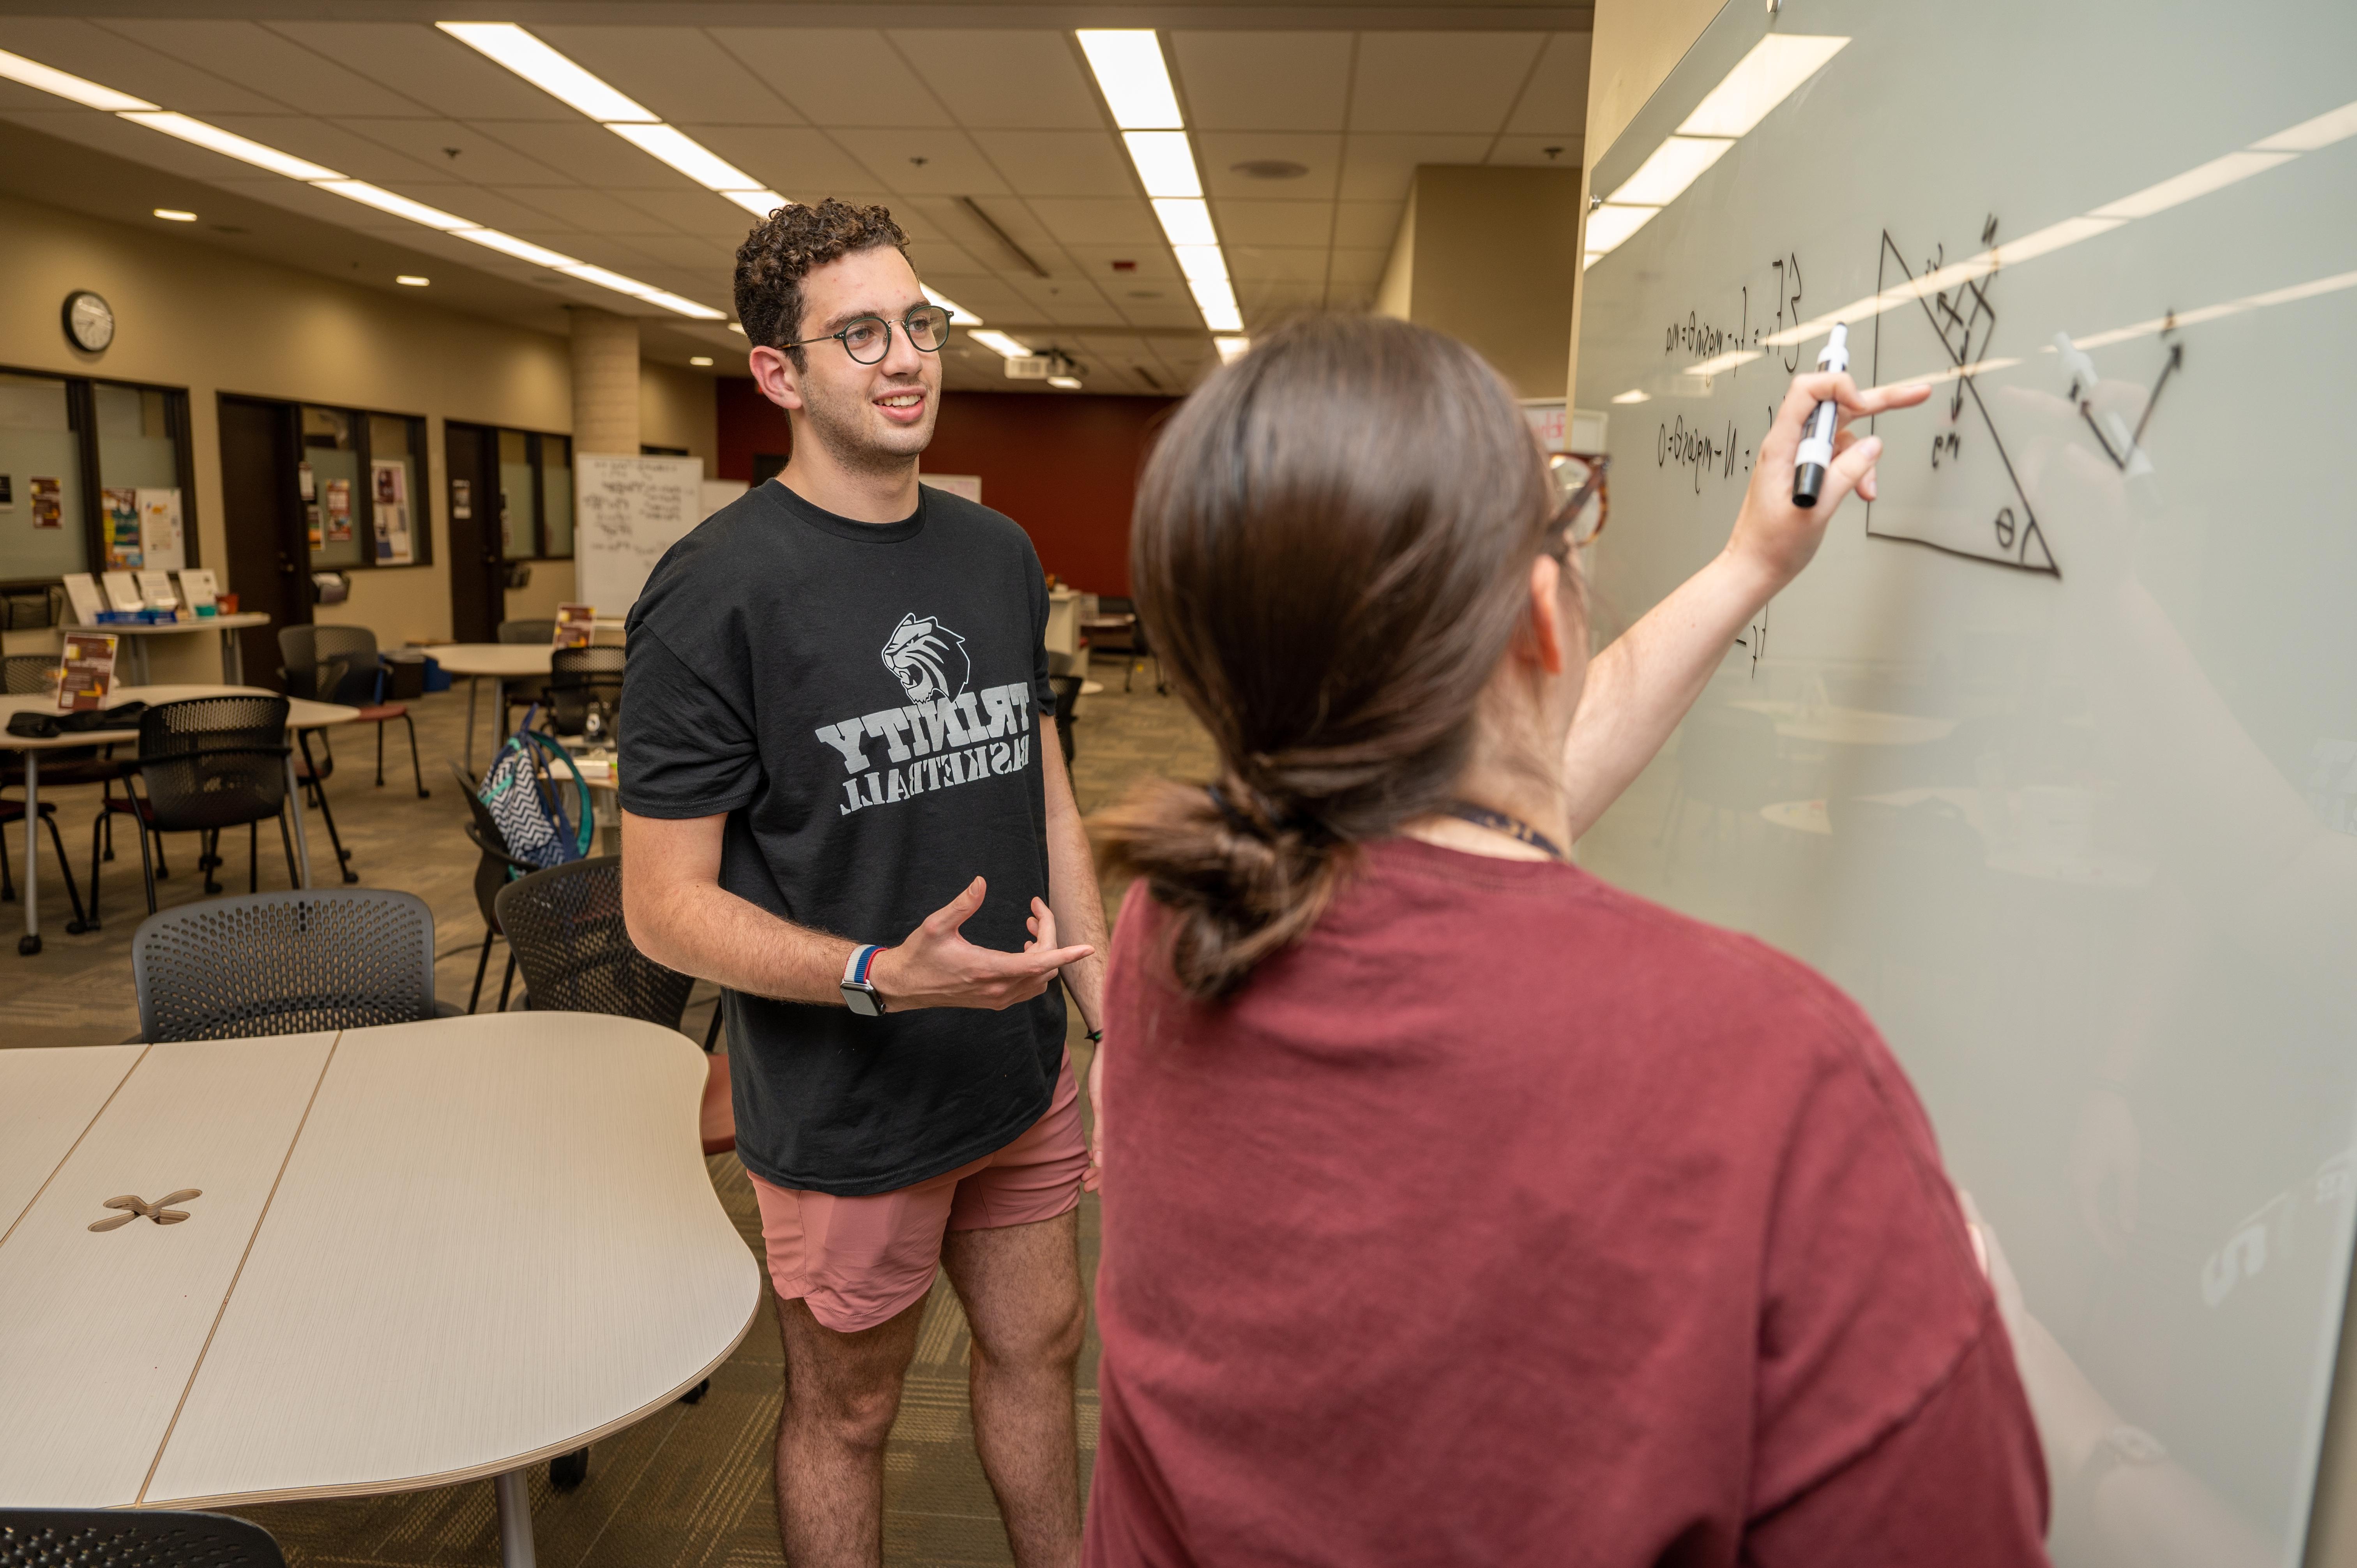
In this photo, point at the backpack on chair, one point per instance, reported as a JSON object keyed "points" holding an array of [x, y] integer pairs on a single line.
{"points": [[531, 818]]}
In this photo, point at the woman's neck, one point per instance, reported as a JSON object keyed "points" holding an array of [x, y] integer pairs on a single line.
{"points": [[1510, 792]]}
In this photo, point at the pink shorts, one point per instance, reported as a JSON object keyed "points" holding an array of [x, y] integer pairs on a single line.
{"points": [[860, 1260]]}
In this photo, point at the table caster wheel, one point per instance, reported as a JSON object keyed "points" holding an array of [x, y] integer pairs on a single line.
{"points": [[696, 1393], [29, 945], [567, 1471]]}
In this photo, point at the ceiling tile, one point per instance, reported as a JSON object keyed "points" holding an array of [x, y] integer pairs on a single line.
{"points": [[1268, 265], [1153, 265], [1532, 152], [678, 72], [708, 258], [431, 67], [1362, 267], [1379, 168], [804, 164], [1097, 221], [362, 157], [1555, 101], [1439, 82], [1222, 151], [1059, 163], [125, 140], [585, 151], [1276, 223], [952, 164], [489, 208], [1264, 82], [939, 262], [480, 159], [578, 208], [690, 212], [1174, 312], [92, 52], [1004, 77], [1364, 223], [269, 63], [836, 76]]}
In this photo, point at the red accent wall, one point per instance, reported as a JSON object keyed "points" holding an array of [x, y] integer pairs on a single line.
{"points": [[1064, 464]]}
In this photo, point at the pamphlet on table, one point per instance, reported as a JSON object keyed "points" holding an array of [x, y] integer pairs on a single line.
{"points": [[89, 671]]}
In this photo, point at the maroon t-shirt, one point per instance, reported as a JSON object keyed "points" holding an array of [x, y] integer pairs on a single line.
{"points": [[1510, 1219]]}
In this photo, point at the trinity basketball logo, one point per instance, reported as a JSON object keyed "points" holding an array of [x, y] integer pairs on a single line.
{"points": [[928, 658]]}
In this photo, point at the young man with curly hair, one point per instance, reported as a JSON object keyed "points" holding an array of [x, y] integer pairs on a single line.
{"points": [[846, 804]]}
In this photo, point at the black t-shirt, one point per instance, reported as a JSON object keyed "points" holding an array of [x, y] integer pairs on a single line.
{"points": [[861, 700]]}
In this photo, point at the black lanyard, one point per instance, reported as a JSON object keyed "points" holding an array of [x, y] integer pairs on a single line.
{"points": [[1513, 827]]}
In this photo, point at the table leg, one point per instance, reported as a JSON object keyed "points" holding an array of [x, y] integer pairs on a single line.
{"points": [[294, 806], [515, 1519], [232, 658], [474, 684], [30, 942]]}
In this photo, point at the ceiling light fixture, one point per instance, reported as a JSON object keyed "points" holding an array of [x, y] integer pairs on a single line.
{"points": [[229, 143], [999, 343], [411, 280], [1232, 348], [368, 195], [561, 78], [1129, 68], [1165, 162], [1632, 396], [174, 215], [48, 79], [959, 313], [1068, 383], [700, 361], [1186, 221]]}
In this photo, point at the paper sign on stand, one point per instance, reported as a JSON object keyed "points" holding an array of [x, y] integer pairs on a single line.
{"points": [[89, 671], [198, 590], [122, 593], [574, 626], [155, 590], [81, 592]]}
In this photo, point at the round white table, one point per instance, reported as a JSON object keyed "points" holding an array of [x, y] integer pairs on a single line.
{"points": [[497, 661], [422, 1254], [300, 714], [233, 660]]}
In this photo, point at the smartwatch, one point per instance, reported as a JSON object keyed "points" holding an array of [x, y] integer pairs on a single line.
{"points": [[857, 994]]}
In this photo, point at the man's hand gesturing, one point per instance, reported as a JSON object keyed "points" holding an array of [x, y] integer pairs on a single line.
{"points": [[937, 967]]}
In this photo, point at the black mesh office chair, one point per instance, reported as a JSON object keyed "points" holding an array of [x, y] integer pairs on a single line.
{"points": [[316, 676], [284, 963], [578, 677], [204, 764], [523, 691], [126, 1537], [494, 869], [28, 675]]}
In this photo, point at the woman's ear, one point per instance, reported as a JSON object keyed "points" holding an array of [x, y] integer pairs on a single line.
{"points": [[1550, 625]]}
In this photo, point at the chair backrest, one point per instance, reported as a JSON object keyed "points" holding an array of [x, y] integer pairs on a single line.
{"points": [[565, 926], [354, 648], [579, 676], [123, 1538], [28, 673], [494, 867], [284, 963], [213, 762], [540, 631]]}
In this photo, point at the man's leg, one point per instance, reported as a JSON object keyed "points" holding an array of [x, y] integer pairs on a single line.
{"points": [[1021, 1287], [841, 1393]]}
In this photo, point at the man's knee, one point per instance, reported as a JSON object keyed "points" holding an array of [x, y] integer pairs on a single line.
{"points": [[850, 1417], [1046, 1332]]}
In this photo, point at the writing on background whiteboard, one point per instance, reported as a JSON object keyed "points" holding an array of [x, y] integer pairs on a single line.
{"points": [[627, 510]]}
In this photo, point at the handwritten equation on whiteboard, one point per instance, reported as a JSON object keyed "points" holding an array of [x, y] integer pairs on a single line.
{"points": [[628, 510]]}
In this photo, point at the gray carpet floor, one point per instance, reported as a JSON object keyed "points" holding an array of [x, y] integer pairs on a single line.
{"points": [[691, 1485]]}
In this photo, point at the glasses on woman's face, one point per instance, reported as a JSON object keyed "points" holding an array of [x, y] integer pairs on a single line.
{"points": [[1579, 509], [868, 338]]}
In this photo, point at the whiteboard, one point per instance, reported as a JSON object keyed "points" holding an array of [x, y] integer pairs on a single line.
{"points": [[628, 511], [2050, 759]]}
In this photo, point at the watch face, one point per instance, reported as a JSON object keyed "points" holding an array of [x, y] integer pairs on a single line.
{"points": [[89, 321]]}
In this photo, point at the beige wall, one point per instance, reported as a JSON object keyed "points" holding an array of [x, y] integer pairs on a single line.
{"points": [[1633, 47], [1492, 255], [191, 316]]}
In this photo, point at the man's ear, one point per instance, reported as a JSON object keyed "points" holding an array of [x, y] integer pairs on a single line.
{"points": [[774, 373]]}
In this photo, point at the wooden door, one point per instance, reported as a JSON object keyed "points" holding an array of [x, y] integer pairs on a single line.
{"points": [[478, 576], [261, 504]]}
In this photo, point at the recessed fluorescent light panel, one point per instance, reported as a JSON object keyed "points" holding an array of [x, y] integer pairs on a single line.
{"points": [[89, 94], [399, 206], [958, 315], [1216, 298], [1201, 262], [1675, 165], [1165, 162], [999, 343], [1129, 68], [230, 145], [1186, 222], [521, 250], [1761, 80], [1232, 348], [550, 71]]}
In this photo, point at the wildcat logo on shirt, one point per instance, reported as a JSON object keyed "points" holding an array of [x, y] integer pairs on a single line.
{"points": [[946, 735]]}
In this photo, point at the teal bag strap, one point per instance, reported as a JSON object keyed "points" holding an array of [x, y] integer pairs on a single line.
{"points": [[586, 833]]}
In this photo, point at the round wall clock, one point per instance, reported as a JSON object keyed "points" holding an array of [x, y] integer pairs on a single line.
{"points": [[89, 321]]}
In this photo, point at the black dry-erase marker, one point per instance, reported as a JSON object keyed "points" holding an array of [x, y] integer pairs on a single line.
{"points": [[1816, 451]]}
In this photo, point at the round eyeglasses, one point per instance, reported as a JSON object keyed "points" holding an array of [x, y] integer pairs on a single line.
{"points": [[869, 338]]}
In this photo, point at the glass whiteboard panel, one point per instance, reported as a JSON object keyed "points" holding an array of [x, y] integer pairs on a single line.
{"points": [[2050, 758]]}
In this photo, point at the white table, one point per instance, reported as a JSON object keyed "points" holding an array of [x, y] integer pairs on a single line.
{"points": [[425, 1253], [500, 663], [232, 658], [300, 714]]}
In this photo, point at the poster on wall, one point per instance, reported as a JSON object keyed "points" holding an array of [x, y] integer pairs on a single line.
{"points": [[161, 546], [118, 506], [339, 511], [390, 479], [48, 504], [309, 486]]}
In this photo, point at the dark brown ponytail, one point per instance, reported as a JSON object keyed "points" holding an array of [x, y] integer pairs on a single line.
{"points": [[1332, 554]]}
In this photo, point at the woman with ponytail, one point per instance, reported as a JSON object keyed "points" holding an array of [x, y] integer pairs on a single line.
{"points": [[1458, 1206]]}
